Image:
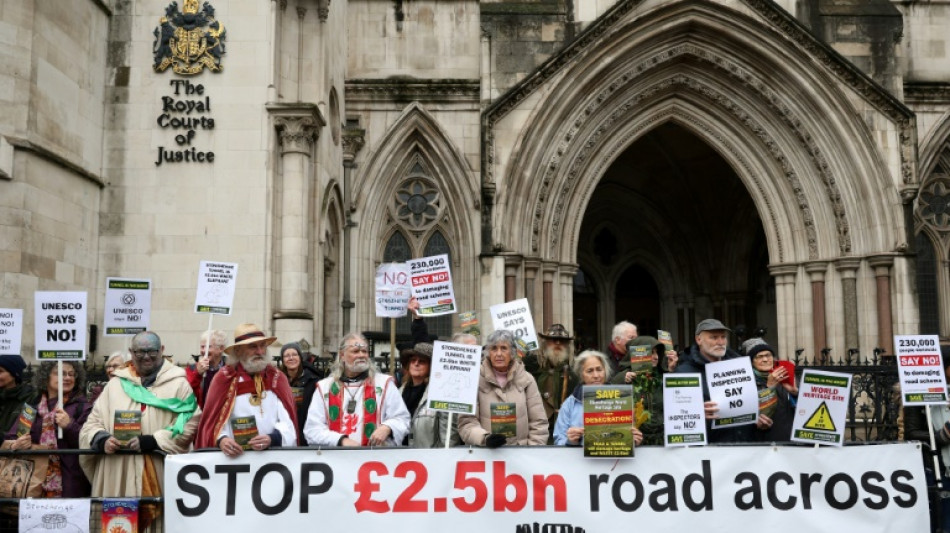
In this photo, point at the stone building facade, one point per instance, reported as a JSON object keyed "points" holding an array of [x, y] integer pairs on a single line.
{"points": [[783, 164]]}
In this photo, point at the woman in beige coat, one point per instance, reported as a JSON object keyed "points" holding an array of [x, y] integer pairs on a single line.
{"points": [[508, 391]]}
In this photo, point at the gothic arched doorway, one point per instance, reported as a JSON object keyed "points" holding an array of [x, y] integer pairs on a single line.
{"points": [[671, 236]]}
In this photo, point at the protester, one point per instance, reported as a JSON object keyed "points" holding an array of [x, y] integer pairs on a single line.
{"points": [[210, 361], [303, 380], [13, 391], [115, 362], [593, 369], [648, 386], [550, 366], [503, 379], [170, 414], [777, 398], [64, 476], [249, 386], [428, 428], [712, 345], [356, 405], [915, 428], [622, 333]]}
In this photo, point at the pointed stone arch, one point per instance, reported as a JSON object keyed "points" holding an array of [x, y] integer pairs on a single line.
{"points": [[416, 140], [694, 63]]}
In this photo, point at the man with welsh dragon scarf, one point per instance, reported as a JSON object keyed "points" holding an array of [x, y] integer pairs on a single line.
{"points": [[356, 405], [169, 411]]}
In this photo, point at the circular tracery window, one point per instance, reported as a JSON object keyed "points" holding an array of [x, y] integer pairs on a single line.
{"points": [[417, 203]]}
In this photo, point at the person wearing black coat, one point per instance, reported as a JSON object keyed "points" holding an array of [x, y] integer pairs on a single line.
{"points": [[303, 380], [712, 346]]}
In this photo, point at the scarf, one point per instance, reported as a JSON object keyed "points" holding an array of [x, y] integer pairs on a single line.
{"points": [[337, 415], [184, 408], [225, 388], [53, 484]]}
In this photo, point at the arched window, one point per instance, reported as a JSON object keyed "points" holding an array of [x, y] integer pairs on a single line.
{"points": [[927, 286], [440, 325]]}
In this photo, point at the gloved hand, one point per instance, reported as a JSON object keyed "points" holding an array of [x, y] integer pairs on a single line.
{"points": [[494, 440]]}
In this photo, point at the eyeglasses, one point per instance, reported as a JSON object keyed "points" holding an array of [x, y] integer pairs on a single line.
{"points": [[762, 355], [112, 367], [139, 354], [361, 348], [69, 374]]}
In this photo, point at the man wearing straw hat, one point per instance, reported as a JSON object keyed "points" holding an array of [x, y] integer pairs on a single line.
{"points": [[356, 405], [248, 387]]}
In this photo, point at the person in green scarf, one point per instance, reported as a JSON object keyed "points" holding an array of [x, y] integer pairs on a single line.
{"points": [[159, 391]]}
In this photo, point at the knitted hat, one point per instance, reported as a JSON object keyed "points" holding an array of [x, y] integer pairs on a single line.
{"points": [[758, 348], [13, 364]]}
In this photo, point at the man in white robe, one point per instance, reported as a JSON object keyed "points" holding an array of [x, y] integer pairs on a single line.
{"points": [[356, 405]]}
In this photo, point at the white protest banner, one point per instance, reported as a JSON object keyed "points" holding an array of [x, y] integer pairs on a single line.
{"points": [[515, 316], [732, 387], [822, 407], [781, 489], [11, 331], [128, 306], [920, 369], [453, 379], [431, 282], [216, 284], [684, 420], [60, 325], [392, 290], [54, 514]]}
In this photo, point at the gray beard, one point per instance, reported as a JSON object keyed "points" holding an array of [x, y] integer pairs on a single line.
{"points": [[254, 366], [556, 358], [358, 367]]}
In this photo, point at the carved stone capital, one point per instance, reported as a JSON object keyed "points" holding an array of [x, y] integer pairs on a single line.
{"points": [[353, 141], [297, 126]]}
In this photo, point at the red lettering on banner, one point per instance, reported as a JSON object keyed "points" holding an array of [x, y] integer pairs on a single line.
{"points": [[462, 482], [420, 280], [910, 360], [405, 503], [367, 488], [440, 276]]}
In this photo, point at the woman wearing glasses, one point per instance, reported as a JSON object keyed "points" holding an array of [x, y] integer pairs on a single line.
{"points": [[64, 477]]}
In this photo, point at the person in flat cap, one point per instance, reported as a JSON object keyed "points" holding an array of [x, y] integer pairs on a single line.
{"points": [[551, 367], [712, 346], [13, 391], [427, 428], [249, 387]]}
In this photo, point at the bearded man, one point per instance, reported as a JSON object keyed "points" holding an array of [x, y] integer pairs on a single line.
{"points": [[249, 386], [356, 405], [551, 368]]}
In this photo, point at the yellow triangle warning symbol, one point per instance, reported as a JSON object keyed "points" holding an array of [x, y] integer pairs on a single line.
{"points": [[820, 419]]}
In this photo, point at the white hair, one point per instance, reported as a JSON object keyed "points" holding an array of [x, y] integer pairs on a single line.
{"points": [[621, 327]]}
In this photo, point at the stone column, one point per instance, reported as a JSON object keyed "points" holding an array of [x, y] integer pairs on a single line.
{"points": [[816, 273], [353, 141], [531, 267], [512, 262], [565, 304], [847, 270], [547, 276], [297, 129], [785, 309], [885, 324]]}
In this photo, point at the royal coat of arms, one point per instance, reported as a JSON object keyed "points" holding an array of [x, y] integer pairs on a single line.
{"points": [[188, 40]]}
